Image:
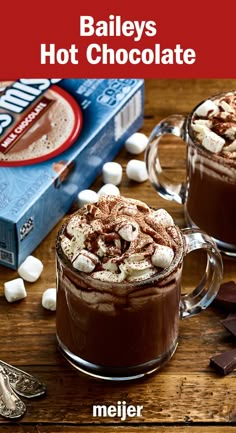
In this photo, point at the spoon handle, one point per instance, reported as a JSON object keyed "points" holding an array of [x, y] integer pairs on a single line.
{"points": [[11, 406]]}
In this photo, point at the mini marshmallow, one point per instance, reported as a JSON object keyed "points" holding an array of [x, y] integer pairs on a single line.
{"points": [[86, 196], [223, 115], [14, 290], [226, 107], [136, 170], [163, 217], [162, 256], [49, 299], [109, 189], [112, 173], [212, 142], [231, 133], [200, 129], [31, 269], [207, 108], [129, 232], [85, 261], [202, 122], [231, 147], [136, 143]]}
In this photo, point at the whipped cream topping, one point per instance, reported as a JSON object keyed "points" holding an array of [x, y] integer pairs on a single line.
{"points": [[214, 125], [120, 239]]}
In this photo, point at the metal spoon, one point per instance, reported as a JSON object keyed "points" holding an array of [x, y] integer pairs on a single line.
{"points": [[24, 384], [10, 404]]}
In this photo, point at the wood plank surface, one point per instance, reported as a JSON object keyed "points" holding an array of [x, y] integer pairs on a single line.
{"points": [[186, 395], [115, 429]]}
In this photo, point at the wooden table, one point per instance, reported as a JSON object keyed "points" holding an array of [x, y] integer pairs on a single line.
{"points": [[186, 396]]}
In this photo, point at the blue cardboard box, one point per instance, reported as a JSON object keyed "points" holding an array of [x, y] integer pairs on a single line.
{"points": [[35, 194]]}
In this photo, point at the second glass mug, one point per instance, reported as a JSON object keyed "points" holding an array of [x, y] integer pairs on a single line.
{"points": [[209, 193]]}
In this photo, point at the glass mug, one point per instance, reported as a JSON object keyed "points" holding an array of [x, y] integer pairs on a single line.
{"points": [[123, 331], [209, 194]]}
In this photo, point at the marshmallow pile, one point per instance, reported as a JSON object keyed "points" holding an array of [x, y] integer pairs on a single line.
{"points": [[112, 172], [119, 239], [214, 125], [29, 271]]}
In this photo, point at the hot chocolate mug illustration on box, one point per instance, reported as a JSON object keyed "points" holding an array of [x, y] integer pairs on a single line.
{"points": [[209, 194]]}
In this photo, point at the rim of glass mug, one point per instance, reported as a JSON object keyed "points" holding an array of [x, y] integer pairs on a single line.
{"points": [[180, 126], [191, 239], [95, 283], [214, 156]]}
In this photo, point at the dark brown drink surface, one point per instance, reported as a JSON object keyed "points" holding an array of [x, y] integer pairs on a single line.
{"points": [[114, 323]]}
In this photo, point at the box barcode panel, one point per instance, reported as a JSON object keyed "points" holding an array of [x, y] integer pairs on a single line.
{"points": [[128, 114], [7, 257]]}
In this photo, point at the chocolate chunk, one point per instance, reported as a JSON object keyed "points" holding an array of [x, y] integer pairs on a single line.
{"points": [[230, 323], [226, 297], [225, 362]]}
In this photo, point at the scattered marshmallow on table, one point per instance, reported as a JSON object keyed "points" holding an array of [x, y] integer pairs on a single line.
{"points": [[109, 189], [14, 290], [136, 170], [49, 299], [31, 269], [86, 196], [112, 173], [136, 143]]}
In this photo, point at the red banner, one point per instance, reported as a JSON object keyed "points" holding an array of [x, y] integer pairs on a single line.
{"points": [[118, 39]]}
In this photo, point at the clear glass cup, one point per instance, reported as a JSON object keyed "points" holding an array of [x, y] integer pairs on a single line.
{"points": [[209, 194], [123, 331]]}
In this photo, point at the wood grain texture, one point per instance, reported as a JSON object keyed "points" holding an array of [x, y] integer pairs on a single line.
{"points": [[114, 429], [122, 429], [186, 390]]}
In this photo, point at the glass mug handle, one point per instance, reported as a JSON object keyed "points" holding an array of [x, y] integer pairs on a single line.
{"points": [[173, 124], [199, 299]]}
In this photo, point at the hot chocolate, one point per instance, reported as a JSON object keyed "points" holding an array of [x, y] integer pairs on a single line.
{"points": [[119, 269], [119, 266], [211, 192]]}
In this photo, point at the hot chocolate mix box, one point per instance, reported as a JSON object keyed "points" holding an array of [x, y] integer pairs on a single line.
{"points": [[55, 135]]}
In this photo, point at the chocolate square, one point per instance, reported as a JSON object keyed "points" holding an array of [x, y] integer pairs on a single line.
{"points": [[226, 297], [225, 362], [230, 323]]}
